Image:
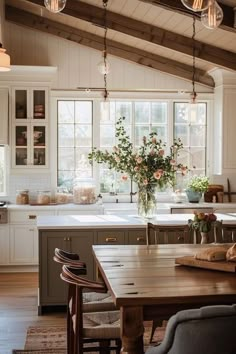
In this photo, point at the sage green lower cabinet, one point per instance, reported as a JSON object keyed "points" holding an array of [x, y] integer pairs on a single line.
{"points": [[52, 290]]}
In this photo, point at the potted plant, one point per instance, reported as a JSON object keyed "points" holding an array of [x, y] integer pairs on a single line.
{"points": [[196, 186], [202, 222]]}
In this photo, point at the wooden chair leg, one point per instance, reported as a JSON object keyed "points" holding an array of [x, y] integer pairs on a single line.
{"points": [[70, 331], [104, 346], [118, 345]]}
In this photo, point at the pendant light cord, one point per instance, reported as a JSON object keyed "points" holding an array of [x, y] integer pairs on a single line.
{"points": [[105, 48], [194, 95]]}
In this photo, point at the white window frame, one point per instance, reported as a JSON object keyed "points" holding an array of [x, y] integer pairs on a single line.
{"points": [[96, 97]]}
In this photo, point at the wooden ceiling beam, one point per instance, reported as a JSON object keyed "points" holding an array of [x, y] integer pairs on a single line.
{"points": [[149, 33], [117, 49], [177, 6]]}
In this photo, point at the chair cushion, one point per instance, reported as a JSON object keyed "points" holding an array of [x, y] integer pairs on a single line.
{"points": [[100, 325], [95, 302]]}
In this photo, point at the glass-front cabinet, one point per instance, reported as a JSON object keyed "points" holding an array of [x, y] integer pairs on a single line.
{"points": [[30, 124]]}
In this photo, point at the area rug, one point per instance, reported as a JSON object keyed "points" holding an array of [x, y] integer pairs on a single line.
{"points": [[52, 339], [43, 351]]}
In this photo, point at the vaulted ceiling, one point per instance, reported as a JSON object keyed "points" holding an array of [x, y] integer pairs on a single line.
{"points": [[153, 33]]}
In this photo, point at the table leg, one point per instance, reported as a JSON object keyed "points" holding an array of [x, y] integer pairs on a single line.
{"points": [[132, 330]]}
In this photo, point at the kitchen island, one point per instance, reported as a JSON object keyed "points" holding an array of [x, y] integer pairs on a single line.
{"points": [[78, 233]]}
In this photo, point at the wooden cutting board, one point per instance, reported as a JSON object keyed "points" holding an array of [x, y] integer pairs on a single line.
{"points": [[191, 261]]}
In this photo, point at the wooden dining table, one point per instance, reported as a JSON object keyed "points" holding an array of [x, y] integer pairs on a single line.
{"points": [[146, 284]]}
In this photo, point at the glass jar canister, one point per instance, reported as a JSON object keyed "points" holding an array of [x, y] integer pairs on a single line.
{"points": [[43, 197], [62, 196], [84, 191], [22, 196]]}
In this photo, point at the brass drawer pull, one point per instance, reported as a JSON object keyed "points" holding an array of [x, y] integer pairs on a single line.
{"points": [[140, 239], [66, 238], [111, 239], [32, 217]]}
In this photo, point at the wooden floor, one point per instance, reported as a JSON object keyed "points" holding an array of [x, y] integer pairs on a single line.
{"points": [[18, 309]]}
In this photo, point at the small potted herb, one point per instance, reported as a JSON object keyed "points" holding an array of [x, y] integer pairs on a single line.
{"points": [[196, 187]]}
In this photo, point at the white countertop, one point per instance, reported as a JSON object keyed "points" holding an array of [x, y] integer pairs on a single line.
{"points": [[89, 221], [119, 221], [122, 207], [69, 207]]}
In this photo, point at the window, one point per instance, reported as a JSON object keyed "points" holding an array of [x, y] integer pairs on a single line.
{"points": [[190, 125], [78, 131], [74, 140]]}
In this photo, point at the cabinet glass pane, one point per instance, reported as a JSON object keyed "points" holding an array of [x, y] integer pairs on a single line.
{"points": [[21, 136], [21, 104], [39, 156], [39, 135], [39, 104], [21, 156]]}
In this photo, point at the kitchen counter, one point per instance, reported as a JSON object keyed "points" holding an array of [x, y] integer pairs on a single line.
{"points": [[89, 221], [162, 208], [119, 221], [54, 207]]}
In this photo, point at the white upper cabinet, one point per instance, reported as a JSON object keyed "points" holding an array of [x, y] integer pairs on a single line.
{"points": [[29, 127], [4, 117]]}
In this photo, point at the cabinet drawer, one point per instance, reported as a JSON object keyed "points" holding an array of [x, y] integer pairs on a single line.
{"points": [[111, 237], [137, 237], [27, 217]]}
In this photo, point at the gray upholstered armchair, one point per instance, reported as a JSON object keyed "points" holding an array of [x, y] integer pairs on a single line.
{"points": [[208, 330]]}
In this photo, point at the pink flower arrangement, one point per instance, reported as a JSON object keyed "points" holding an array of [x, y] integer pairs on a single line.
{"points": [[147, 165], [202, 221]]}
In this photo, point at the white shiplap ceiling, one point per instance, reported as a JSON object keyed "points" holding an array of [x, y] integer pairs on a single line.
{"points": [[147, 13]]}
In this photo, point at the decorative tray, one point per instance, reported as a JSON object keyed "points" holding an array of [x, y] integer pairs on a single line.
{"points": [[191, 261]]}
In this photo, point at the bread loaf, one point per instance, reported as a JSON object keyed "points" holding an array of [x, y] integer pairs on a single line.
{"points": [[212, 254], [231, 254]]}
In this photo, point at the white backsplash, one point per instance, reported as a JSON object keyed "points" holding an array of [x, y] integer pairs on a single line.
{"points": [[32, 182]]}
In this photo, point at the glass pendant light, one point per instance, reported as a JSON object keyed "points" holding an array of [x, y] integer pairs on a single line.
{"points": [[55, 5], [212, 17], [196, 5], [4, 60], [105, 110], [104, 66]]}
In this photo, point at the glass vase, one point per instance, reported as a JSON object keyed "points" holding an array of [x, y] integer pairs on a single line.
{"points": [[146, 201], [204, 237]]}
